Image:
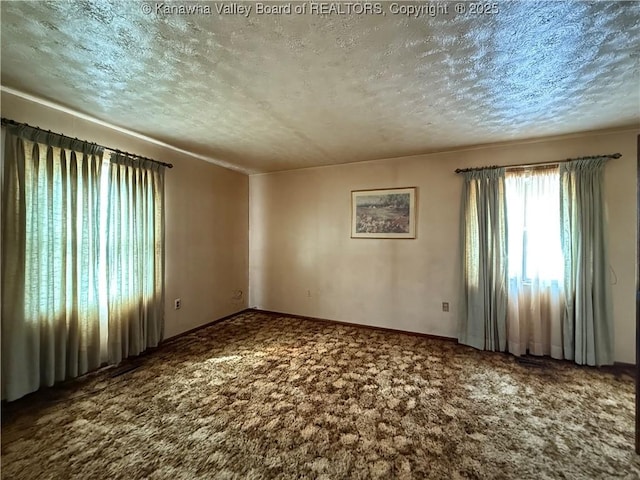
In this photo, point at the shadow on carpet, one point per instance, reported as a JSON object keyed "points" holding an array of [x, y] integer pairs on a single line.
{"points": [[263, 396]]}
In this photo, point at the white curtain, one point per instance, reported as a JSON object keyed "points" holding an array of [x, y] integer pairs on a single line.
{"points": [[82, 259], [535, 300], [135, 256], [50, 238]]}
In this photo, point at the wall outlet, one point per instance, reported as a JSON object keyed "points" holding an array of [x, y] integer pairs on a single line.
{"points": [[445, 306], [309, 293], [177, 303]]}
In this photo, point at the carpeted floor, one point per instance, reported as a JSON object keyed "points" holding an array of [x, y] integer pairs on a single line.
{"points": [[264, 396]]}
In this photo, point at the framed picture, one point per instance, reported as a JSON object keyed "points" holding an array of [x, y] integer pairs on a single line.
{"points": [[388, 213]]}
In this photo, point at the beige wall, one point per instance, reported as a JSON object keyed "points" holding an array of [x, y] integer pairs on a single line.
{"points": [[303, 261], [206, 218]]}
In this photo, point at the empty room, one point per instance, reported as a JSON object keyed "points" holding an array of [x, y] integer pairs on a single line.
{"points": [[319, 240]]}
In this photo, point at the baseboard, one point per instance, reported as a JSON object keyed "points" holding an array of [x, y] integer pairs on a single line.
{"points": [[622, 367], [353, 324], [200, 327]]}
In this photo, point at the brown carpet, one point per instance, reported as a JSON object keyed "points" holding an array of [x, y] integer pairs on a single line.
{"points": [[263, 396]]}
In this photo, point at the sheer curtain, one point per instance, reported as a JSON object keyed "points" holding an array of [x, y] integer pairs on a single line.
{"points": [[82, 258], [50, 238], [135, 255], [536, 299], [484, 234]]}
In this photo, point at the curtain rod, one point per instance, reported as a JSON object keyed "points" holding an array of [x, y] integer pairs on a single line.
{"points": [[6, 121], [538, 164]]}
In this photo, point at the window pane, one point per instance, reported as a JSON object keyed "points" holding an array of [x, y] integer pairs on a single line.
{"points": [[533, 215]]}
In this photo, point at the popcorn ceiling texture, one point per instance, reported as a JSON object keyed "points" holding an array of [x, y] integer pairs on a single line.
{"points": [[277, 92]]}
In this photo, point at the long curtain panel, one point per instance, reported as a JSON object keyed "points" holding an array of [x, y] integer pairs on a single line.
{"points": [[50, 238], [588, 317], [484, 241], [82, 258], [135, 256], [535, 262]]}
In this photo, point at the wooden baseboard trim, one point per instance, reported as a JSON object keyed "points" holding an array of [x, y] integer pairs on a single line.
{"points": [[352, 324], [208, 324], [622, 367]]}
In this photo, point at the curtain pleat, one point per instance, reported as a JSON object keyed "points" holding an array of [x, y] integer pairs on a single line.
{"points": [[16, 379], [588, 317], [135, 246], [484, 233]]}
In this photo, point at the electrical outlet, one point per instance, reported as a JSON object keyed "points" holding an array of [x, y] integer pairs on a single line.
{"points": [[308, 293], [177, 303], [445, 306]]}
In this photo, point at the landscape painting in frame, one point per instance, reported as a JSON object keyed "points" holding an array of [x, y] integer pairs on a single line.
{"points": [[388, 213]]}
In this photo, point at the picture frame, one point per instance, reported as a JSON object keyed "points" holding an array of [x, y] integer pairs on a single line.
{"points": [[383, 213]]}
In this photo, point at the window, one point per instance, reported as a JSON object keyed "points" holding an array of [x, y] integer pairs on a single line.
{"points": [[82, 258], [533, 225], [535, 262]]}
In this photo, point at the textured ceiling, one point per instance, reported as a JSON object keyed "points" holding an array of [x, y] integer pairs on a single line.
{"points": [[270, 92]]}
